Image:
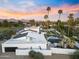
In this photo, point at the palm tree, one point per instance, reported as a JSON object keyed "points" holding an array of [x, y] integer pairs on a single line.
{"points": [[60, 27], [58, 24], [77, 21], [46, 24], [48, 9], [69, 41], [70, 22], [32, 22], [71, 19], [60, 12], [46, 17]]}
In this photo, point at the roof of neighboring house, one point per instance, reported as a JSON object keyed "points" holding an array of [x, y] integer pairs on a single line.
{"points": [[53, 39], [35, 29]]}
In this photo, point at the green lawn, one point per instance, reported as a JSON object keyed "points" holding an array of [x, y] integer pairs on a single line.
{"points": [[8, 28]]}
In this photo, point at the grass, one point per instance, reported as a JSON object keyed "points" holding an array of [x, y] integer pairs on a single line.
{"points": [[8, 28], [4, 28]]}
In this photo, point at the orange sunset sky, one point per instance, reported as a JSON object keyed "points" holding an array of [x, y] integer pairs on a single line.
{"points": [[31, 9]]}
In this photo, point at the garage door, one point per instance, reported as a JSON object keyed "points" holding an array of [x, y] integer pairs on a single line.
{"points": [[10, 49]]}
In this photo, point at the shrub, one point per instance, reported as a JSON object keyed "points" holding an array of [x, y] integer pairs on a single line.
{"points": [[76, 55], [32, 53], [38, 55]]}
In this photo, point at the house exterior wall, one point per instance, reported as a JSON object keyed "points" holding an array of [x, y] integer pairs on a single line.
{"points": [[26, 52], [47, 52], [63, 51], [42, 50], [42, 46]]}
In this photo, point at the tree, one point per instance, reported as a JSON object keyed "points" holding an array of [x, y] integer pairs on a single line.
{"points": [[6, 34], [59, 22], [60, 25], [5, 23], [48, 9], [46, 24], [0, 24], [32, 22], [77, 21], [68, 42], [46, 17], [70, 22], [60, 12], [20, 24]]}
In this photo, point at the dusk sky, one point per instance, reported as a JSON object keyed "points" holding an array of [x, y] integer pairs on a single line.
{"points": [[29, 9]]}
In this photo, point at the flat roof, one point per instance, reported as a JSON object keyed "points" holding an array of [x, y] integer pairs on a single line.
{"points": [[32, 37], [20, 35]]}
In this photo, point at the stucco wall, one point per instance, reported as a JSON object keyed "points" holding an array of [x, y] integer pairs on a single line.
{"points": [[26, 52], [63, 51]]}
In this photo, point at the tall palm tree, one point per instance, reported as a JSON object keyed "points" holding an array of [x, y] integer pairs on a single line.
{"points": [[48, 9], [60, 12], [58, 24], [32, 22], [71, 14], [46, 17], [70, 22]]}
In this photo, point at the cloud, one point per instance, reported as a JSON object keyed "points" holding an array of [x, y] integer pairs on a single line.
{"points": [[29, 9], [4, 1], [66, 9], [22, 5], [27, 3], [71, 8]]}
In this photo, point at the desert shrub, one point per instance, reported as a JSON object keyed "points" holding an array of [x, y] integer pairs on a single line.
{"points": [[36, 55], [32, 53]]}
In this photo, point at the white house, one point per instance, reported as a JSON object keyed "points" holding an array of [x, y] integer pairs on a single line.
{"points": [[31, 39], [28, 38]]}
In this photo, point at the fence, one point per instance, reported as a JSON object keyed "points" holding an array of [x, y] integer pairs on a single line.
{"points": [[46, 52], [26, 51], [63, 51]]}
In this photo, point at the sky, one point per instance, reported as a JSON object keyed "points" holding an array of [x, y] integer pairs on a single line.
{"points": [[36, 9]]}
